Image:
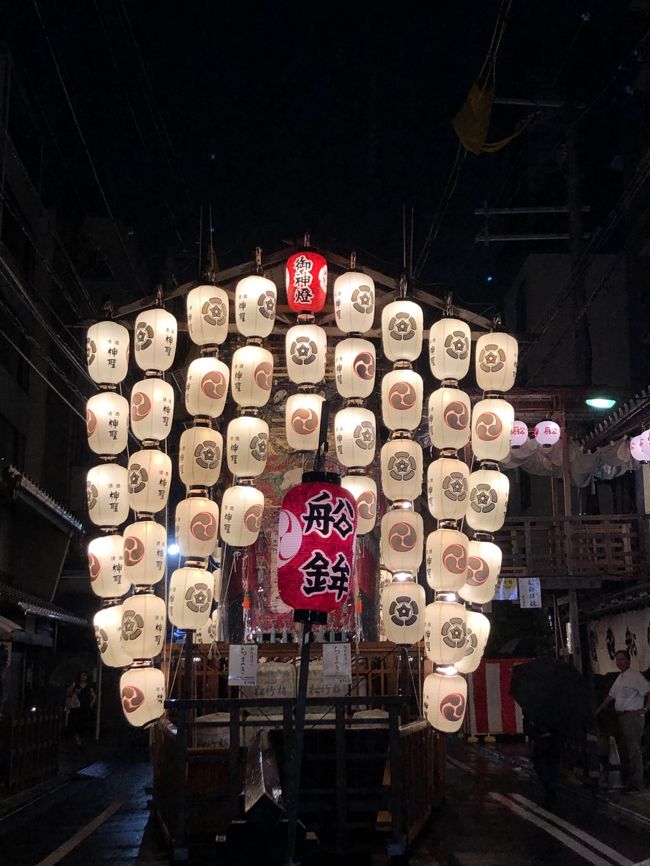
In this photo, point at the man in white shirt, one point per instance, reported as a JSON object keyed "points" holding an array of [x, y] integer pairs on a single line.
{"points": [[631, 695]]}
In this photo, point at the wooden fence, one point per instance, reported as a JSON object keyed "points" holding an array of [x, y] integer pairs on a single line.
{"points": [[33, 753]]}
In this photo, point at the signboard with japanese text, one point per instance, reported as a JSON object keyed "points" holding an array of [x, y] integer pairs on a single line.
{"points": [[530, 592], [337, 662], [242, 665]]}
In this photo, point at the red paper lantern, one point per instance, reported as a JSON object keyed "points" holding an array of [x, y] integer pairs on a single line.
{"points": [[318, 526], [306, 282]]}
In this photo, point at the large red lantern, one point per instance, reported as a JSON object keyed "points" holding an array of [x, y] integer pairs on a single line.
{"points": [[306, 282], [317, 532]]}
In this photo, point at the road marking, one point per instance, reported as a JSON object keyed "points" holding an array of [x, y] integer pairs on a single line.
{"points": [[80, 835], [558, 834], [613, 855]]}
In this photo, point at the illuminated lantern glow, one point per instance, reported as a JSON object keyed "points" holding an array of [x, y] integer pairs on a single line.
{"points": [[547, 433], [403, 603], [251, 376], [107, 494], [149, 480], [448, 488], [143, 625], [107, 423], [478, 631], [492, 421], [207, 315], [316, 539], [450, 344], [155, 336], [401, 330], [401, 399], [242, 508], [197, 521], [444, 700], [247, 442], [449, 415], [355, 366], [199, 456], [145, 552], [446, 559], [108, 634], [302, 421], [142, 692], [364, 490], [306, 353], [354, 302], [496, 361], [355, 435], [445, 632], [255, 300], [402, 539], [106, 567], [488, 500], [190, 597], [152, 409], [483, 567], [107, 353], [402, 469], [306, 282], [206, 387], [519, 434], [640, 447]]}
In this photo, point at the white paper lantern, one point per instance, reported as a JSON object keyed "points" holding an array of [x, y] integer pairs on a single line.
{"points": [[108, 634], [401, 399], [206, 387], [145, 552], [478, 631], [142, 692], [638, 447], [106, 567], [207, 315], [107, 496], [107, 346], [354, 302], [152, 409], [247, 442], [445, 632], [483, 567], [547, 433], [355, 366], [444, 700], [150, 476], [242, 508], [488, 500], [190, 597], [448, 488], [401, 330], [401, 469], [446, 559], [449, 418], [209, 633], [492, 422], [197, 521], [155, 337], [402, 606], [402, 538], [199, 456], [450, 343], [355, 436], [251, 376], [143, 625], [496, 361], [364, 490], [519, 435], [255, 299], [306, 353], [107, 423], [302, 421]]}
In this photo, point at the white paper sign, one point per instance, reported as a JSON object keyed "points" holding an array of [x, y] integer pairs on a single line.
{"points": [[242, 665], [530, 592], [337, 662]]}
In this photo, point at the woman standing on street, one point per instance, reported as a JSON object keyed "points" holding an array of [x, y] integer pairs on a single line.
{"points": [[82, 699]]}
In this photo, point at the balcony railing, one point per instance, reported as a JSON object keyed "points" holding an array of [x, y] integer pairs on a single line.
{"points": [[606, 547]]}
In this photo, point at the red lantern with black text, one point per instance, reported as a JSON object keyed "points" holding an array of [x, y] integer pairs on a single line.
{"points": [[306, 282]]}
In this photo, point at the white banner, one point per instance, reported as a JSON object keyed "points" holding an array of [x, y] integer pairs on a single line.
{"points": [[623, 631]]}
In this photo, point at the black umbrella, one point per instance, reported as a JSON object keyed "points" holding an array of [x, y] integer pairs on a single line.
{"points": [[552, 694]]}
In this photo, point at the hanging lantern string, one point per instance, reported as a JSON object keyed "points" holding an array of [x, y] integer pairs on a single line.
{"points": [[258, 260], [416, 692]]}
